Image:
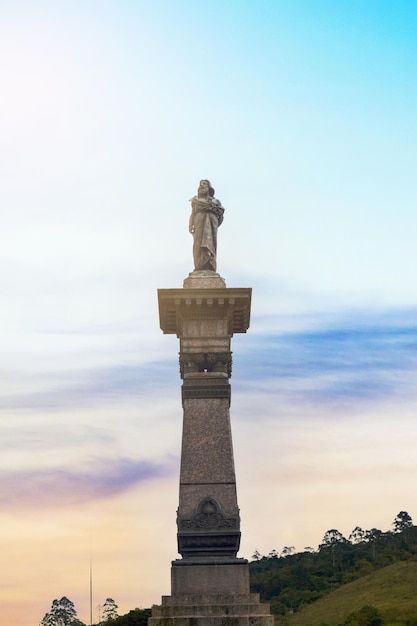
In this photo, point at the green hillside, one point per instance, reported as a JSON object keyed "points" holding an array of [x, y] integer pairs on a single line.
{"points": [[392, 590], [369, 569]]}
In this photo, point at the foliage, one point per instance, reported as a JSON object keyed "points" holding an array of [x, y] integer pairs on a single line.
{"points": [[136, 617], [366, 616], [390, 589], [402, 522], [331, 537], [290, 581], [62, 613], [357, 535], [109, 610]]}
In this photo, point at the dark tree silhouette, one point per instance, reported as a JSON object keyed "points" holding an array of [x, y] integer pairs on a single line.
{"points": [[62, 613], [402, 522]]}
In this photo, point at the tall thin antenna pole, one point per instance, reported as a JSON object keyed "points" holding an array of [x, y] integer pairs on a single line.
{"points": [[91, 581]]}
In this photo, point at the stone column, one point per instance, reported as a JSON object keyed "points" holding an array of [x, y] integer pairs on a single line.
{"points": [[209, 580]]}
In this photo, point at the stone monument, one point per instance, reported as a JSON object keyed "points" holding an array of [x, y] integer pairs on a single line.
{"points": [[209, 584]]}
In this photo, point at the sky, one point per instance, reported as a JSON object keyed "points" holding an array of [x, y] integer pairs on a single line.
{"points": [[303, 115]]}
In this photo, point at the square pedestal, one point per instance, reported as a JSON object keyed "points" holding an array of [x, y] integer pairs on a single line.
{"points": [[209, 576], [211, 592]]}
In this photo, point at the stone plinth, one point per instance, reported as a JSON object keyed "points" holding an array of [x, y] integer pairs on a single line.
{"points": [[209, 585], [242, 609], [214, 575], [204, 279]]}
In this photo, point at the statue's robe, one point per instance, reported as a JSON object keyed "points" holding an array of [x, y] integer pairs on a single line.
{"points": [[206, 217]]}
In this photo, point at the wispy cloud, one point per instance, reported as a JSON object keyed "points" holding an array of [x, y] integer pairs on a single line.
{"points": [[92, 387], [336, 359], [349, 360], [67, 487]]}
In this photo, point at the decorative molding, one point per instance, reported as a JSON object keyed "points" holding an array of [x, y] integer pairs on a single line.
{"points": [[205, 386], [195, 362], [195, 393], [231, 305], [209, 545], [208, 517], [208, 532]]}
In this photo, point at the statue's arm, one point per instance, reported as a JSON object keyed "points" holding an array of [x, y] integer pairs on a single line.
{"points": [[191, 222], [219, 210]]}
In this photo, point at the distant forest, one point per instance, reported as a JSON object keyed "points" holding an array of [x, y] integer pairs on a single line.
{"points": [[289, 580]]}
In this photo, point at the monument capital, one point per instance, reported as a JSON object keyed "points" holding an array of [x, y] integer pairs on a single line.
{"points": [[229, 304]]}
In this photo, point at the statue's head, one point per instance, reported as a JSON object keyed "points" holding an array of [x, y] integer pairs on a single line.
{"points": [[204, 187]]}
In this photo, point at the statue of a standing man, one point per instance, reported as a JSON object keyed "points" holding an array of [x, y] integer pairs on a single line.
{"points": [[206, 217]]}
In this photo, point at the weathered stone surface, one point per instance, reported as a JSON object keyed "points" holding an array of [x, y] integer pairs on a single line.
{"points": [[204, 279], [207, 472], [206, 216], [238, 609], [209, 585], [216, 364], [192, 494], [209, 387], [230, 307], [207, 452], [209, 531], [190, 600], [210, 576]]}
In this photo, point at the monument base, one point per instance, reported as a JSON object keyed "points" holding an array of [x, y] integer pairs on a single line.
{"points": [[210, 592], [211, 610]]}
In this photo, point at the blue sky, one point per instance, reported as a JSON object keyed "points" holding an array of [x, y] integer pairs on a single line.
{"points": [[303, 116]]}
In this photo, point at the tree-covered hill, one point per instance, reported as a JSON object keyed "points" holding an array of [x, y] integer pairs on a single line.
{"points": [[291, 581], [390, 590]]}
